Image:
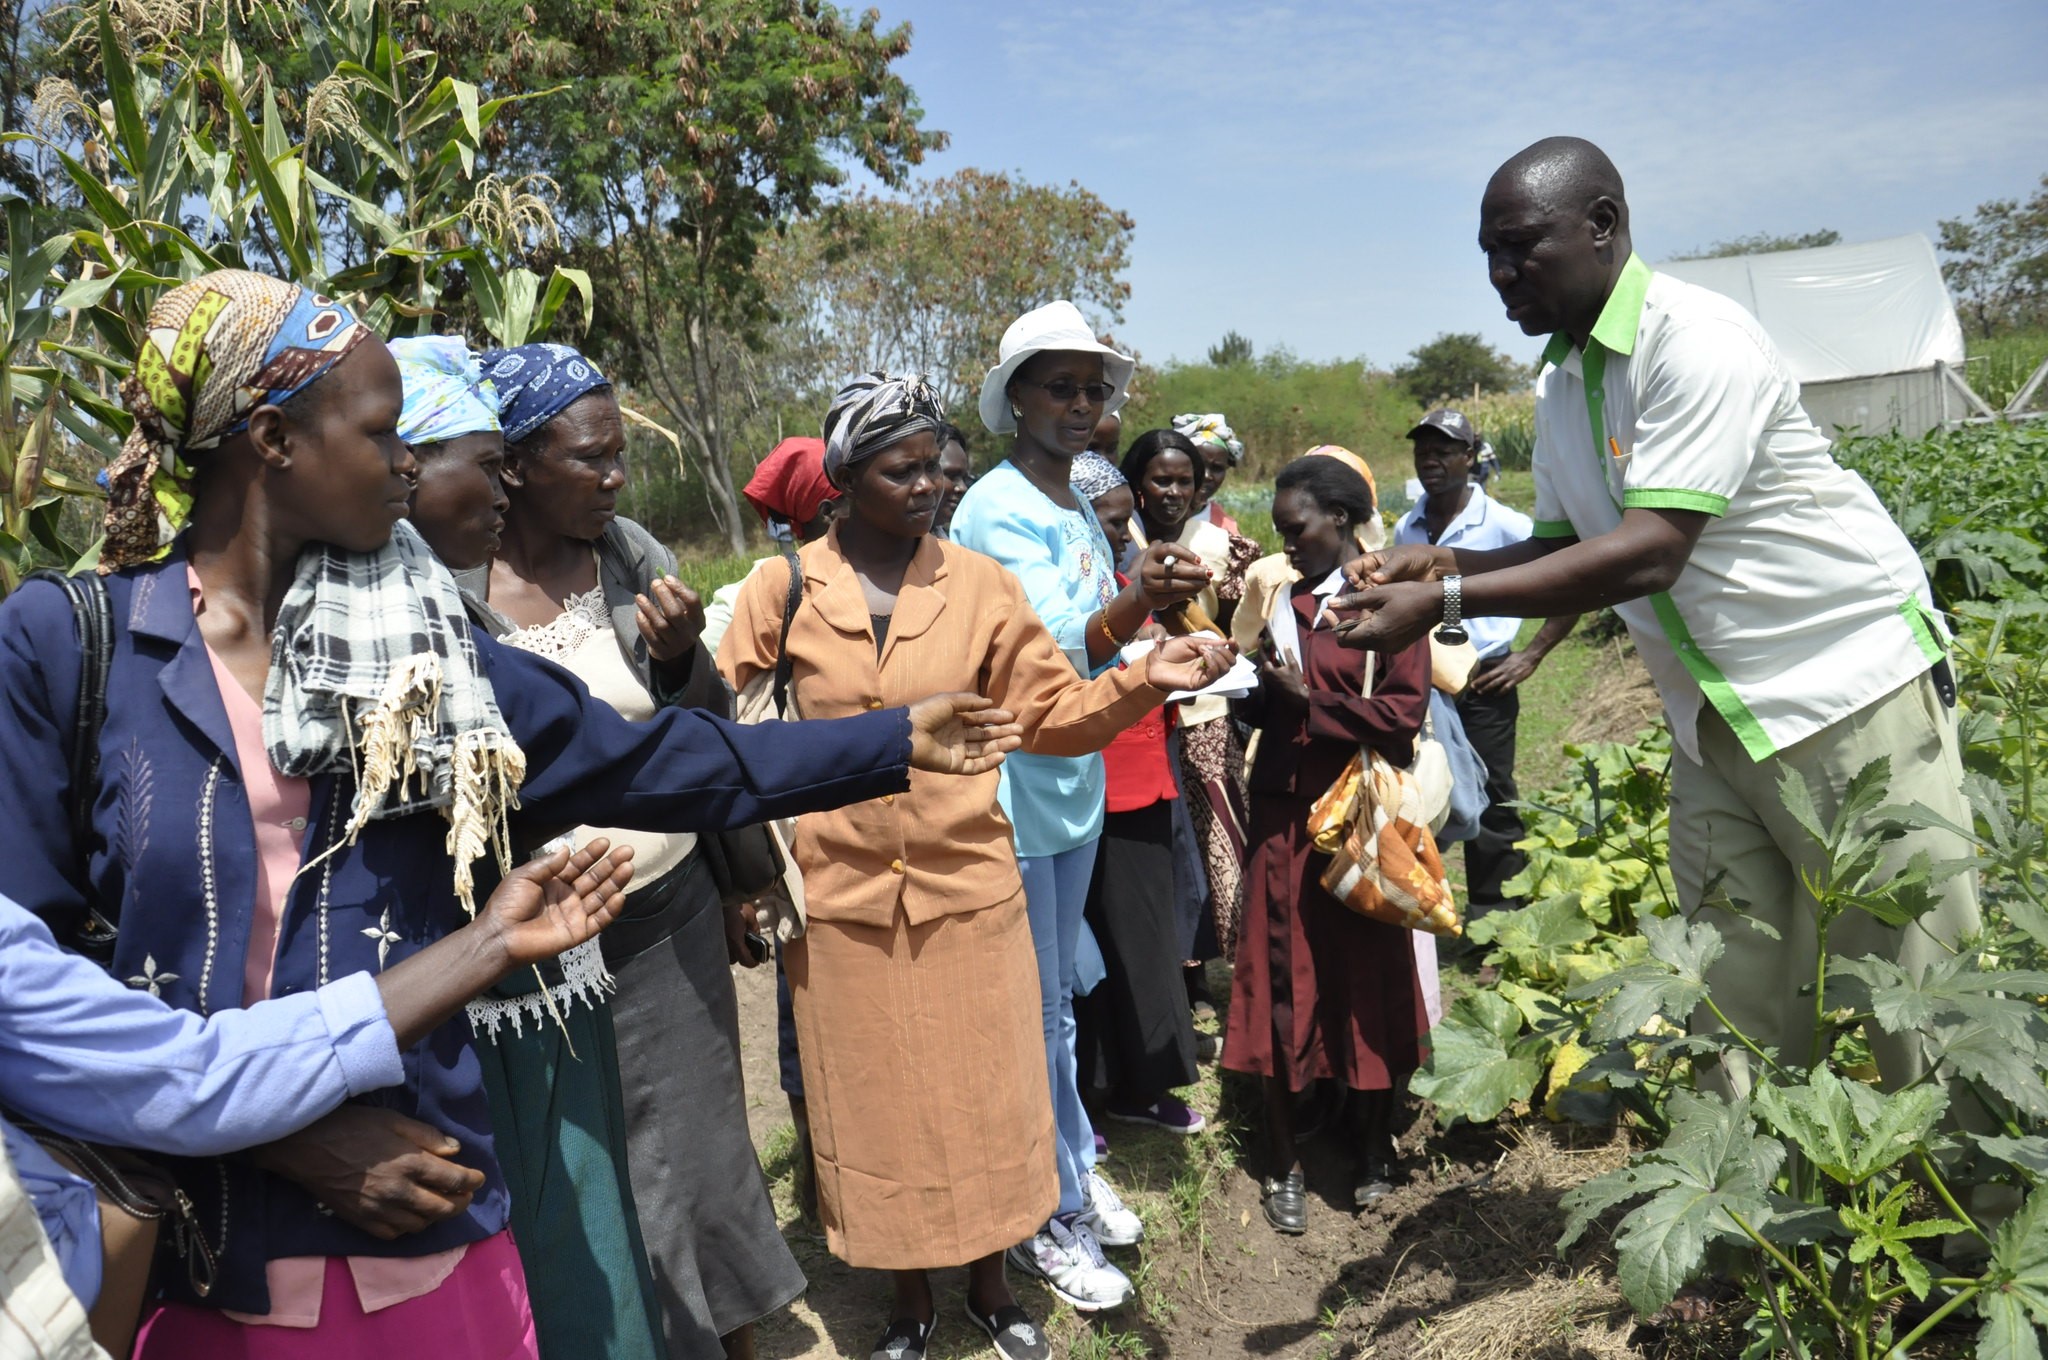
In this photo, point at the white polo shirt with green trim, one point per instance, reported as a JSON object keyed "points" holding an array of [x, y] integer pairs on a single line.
{"points": [[1802, 602]]}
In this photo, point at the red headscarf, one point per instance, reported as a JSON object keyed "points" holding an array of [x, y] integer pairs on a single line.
{"points": [[790, 482]]}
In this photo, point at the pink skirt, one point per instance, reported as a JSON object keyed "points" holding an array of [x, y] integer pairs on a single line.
{"points": [[480, 1312]]}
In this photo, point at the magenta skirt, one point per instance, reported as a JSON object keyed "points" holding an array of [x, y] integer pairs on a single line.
{"points": [[480, 1312]]}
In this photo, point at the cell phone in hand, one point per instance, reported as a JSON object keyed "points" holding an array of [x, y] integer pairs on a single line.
{"points": [[757, 946]]}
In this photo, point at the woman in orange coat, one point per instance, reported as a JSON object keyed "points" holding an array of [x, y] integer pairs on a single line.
{"points": [[916, 983]]}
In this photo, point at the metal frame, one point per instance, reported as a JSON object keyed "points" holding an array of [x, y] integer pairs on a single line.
{"points": [[1953, 380]]}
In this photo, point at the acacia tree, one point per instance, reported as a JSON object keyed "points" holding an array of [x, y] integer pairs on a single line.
{"points": [[1998, 262], [1231, 349], [690, 133], [1458, 364], [928, 283]]}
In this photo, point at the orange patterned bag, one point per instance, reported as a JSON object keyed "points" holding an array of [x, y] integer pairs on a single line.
{"points": [[1383, 861], [1331, 814]]}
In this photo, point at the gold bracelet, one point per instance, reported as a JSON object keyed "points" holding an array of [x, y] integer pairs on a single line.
{"points": [[1114, 641]]}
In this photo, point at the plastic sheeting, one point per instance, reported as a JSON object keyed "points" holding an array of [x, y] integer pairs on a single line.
{"points": [[1843, 311]]}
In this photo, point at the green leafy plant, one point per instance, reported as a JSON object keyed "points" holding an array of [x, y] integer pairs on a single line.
{"points": [[1833, 1239], [185, 157], [1597, 862]]}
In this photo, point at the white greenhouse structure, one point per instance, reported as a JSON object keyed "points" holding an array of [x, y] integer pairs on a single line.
{"points": [[1869, 331]]}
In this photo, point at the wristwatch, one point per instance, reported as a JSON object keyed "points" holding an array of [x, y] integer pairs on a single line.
{"points": [[1453, 632]]}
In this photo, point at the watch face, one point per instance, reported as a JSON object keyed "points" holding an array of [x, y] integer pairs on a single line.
{"points": [[1451, 635]]}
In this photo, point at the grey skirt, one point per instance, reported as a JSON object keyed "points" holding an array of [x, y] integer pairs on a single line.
{"points": [[718, 1260]]}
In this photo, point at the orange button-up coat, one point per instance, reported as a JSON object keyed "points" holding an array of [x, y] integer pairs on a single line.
{"points": [[961, 623]]}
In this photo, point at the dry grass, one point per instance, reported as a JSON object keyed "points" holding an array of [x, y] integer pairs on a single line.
{"points": [[1482, 1276], [1544, 1317], [1619, 699]]}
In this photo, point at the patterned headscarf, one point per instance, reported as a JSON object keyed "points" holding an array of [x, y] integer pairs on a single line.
{"points": [[1210, 429], [446, 392], [536, 383], [873, 412], [1094, 476], [216, 349]]}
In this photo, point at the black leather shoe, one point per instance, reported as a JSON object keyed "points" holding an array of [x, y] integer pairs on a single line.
{"points": [[1287, 1203], [1375, 1182]]}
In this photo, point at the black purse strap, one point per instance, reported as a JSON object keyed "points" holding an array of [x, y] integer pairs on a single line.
{"points": [[93, 615], [784, 665]]}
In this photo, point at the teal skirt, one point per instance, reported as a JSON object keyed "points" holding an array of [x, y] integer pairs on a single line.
{"points": [[560, 1132]]}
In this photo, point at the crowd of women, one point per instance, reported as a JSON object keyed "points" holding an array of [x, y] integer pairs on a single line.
{"points": [[371, 633]]}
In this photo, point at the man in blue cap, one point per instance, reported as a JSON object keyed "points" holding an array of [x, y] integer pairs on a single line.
{"points": [[1455, 512]]}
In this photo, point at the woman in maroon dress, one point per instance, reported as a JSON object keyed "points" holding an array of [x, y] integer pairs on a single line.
{"points": [[1318, 991]]}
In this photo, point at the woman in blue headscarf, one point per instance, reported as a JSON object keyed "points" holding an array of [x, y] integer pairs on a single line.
{"points": [[575, 583], [553, 1079], [450, 421]]}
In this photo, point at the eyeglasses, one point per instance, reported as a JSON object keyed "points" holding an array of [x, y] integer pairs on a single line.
{"points": [[1066, 389]]}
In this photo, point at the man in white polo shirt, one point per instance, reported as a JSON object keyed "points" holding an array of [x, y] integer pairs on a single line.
{"points": [[1784, 617], [1456, 512]]}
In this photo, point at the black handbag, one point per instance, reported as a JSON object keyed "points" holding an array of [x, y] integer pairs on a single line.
{"points": [[744, 862]]}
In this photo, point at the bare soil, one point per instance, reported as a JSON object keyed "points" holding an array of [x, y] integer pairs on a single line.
{"points": [[1459, 1261]]}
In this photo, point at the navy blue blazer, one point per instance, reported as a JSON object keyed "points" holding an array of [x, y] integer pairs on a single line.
{"points": [[172, 843]]}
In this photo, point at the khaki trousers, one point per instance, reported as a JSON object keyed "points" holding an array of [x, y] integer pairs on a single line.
{"points": [[1736, 853]]}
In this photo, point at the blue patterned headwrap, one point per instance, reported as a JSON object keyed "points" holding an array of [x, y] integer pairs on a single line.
{"points": [[446, 393], [536, 383]]}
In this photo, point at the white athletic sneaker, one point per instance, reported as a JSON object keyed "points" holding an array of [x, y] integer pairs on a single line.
{"points": [[1105, 1214], [1070, 1260]]}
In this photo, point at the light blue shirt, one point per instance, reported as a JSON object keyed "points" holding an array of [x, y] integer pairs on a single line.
{"points": [[1484, 524], [1062, 560], [88, 1057]]}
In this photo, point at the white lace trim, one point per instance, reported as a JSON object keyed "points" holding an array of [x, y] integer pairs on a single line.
{"points": [[582, 618], [584, 979]]}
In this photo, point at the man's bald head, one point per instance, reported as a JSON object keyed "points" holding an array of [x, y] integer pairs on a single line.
{"points": [[1554, 226], [1563, 174]]}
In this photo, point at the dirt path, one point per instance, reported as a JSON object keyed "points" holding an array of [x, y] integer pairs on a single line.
{"points": [[1458, 1262]]}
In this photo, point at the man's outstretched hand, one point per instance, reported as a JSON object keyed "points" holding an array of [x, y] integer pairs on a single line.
{"points": [[1389, 617], [1394, 596], [961, 734]]}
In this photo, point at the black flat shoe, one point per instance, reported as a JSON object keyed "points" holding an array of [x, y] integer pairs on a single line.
{"points": [[906, 1339], [1375, 1183], [1015, 1335], [1287, 1203]]}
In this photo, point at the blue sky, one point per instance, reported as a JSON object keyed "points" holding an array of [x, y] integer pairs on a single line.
{"points": [[1309, 173]]}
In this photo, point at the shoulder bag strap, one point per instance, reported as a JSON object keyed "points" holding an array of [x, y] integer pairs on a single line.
{"points": [[784, 665], [92, 613]]}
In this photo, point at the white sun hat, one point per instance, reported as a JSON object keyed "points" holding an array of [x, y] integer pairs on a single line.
{"points": [[1056, 326]]}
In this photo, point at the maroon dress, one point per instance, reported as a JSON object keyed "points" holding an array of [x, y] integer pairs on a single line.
{"points": [[1319, 991]]}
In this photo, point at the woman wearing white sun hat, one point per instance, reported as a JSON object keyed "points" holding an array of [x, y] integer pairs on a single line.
{"points": [[1054, 381]]}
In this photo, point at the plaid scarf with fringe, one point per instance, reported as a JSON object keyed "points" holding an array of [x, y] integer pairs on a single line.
{"points": [[373, 672]]}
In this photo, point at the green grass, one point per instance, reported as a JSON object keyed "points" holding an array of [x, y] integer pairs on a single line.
{"points": [[705, 569], [1998, 366]]}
